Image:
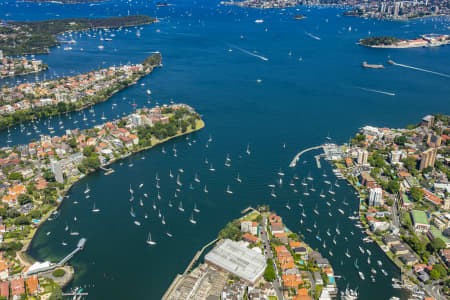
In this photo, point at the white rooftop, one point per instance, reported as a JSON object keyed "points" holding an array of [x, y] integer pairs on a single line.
{"points": [[237, 259]]}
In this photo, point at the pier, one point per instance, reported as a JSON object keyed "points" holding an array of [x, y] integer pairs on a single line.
{"points": [[79, 247], [107, 171], [297, 157], [317, 157], [197, 256]]}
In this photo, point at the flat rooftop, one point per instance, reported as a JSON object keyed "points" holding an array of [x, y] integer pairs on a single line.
{"points": [[237, 259]]}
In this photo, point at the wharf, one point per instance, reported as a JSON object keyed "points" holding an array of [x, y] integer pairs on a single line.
{"points": [[317, 157], [297, 157]]}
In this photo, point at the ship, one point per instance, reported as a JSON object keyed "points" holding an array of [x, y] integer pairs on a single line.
{"points": [[366, 65]]}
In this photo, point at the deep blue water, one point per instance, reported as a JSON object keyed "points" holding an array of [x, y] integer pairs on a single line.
{"points": [[298, 102]]}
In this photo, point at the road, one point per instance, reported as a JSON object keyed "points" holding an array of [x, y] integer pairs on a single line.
{"points": [[268, 253]]}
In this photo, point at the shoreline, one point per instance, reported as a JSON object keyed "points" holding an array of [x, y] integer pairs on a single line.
{"points": [[88, 104], [66, 190]]}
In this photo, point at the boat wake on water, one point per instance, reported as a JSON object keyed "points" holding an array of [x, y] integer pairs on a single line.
{"points": [[420, 69], [312, 36], [250, 53], [376, 91]]}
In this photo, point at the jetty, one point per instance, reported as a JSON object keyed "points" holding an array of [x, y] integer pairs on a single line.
{"points": [[297, 157], [197, 256], [107, 171], [80, 246], [317, 157]]}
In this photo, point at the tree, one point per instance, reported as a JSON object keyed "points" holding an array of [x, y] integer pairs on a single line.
{"points": [[416, 193], [434, 274], [21, 220], [59, 273], [231, 231], [15, 176], [442, 271], [24, 199], [35, 214], [438, 244], [394, 186], [400, 140], [269, 273], [410, 163]]}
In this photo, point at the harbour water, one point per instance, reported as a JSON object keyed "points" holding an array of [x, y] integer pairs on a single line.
{"points": [[300, 99]]}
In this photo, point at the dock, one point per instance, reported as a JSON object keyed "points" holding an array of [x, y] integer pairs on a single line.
{"points": [[244, 211], [297, 157], [80, 246], [107, 171], [317, 157]]}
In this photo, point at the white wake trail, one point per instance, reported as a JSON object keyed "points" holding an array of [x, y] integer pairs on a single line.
{"points": [[376, 91], [420, 69], [250, 53]]}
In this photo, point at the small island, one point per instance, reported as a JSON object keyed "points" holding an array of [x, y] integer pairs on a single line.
{"points": [[35, 37], [30, 101], [36, 177], [257, 256], [426, 40]]}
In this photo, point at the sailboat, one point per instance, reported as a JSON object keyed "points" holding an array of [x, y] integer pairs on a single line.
{"points": [[331, 191], [196, 178], [211, 168], [131, 190], [228, 190], [205, 189], [163, 221], [192, 220], [180, 206], [309, 177], [248, 149], [170, 174], [149, 240], [195, 208], [273, 193], [154, 204], [280, 172], [316, 211], [238, 179], [94, 209], [347, 254], [132, 212], [178, 180], [87, 190], [170, 203], [67, 227], [356, 264], [288, 206], [141, 203]]}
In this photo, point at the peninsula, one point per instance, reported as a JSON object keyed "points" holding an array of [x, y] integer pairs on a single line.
{"points": [[36, 177], [257, 256], [401, 177], [16, 66], [19, 38], [389, 9], [426, 40], [47, 98]]}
